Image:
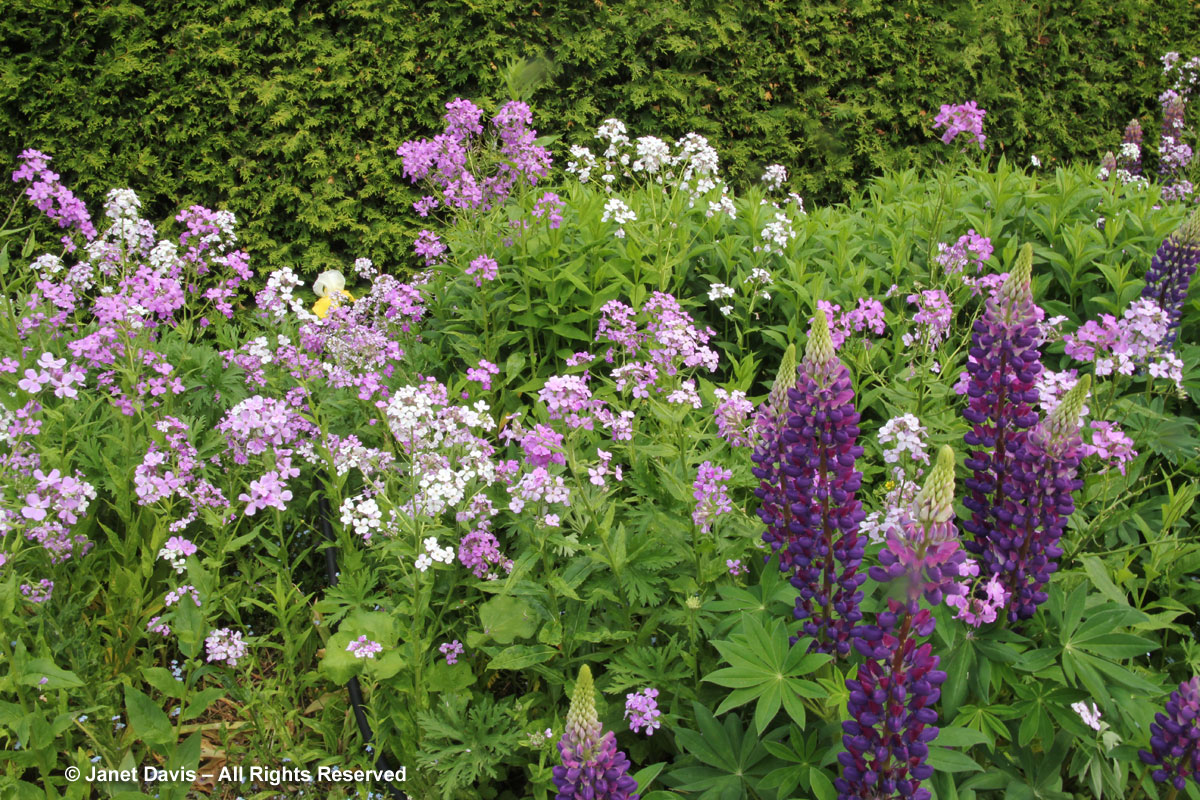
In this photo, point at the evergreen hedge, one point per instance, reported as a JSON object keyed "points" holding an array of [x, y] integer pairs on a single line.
{"points": [[290, 115]]}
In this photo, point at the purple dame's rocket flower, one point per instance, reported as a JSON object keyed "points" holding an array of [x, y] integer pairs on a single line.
{"points": [[592, 767], [808, 486], [1175, 738], [961, 118], [1171, 272]]}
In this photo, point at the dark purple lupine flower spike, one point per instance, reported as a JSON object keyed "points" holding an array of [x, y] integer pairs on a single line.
{"points": [[1130, 158], [891, 698], [1005, 364], [1175, 738], [1171, 272], [1038, 502], [769, 421], [811, 511], [593, 768]]}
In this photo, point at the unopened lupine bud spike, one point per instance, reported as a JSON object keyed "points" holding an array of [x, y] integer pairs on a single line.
{"points": [[784, 379], [1189, 231], [820, 343], [1064, 420], [1019, 278], [583, 726], [935, 504]]}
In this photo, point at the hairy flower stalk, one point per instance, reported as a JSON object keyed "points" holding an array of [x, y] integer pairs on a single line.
{"points": [[1003, 369], [593, 768], [1171, 272], [1038, 503], [808, 486], [1175, 738], [891, 698]]}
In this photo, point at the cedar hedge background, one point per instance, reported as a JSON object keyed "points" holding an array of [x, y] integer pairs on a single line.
{"points": [[289, 115]]}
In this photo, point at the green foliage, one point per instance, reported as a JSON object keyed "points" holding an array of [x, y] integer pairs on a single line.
{"points": [[290, 114]]}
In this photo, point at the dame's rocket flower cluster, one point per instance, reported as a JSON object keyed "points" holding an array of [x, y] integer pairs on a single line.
{"points": [[709, 491], [867, 315], [1175, 738], [175, 469], [592, 766], [961, 118], [805, 465], [1124, 346], [52, 198], [445, 160]]}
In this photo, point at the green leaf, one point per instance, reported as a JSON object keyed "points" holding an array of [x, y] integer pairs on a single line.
{"points": [[1100, 579], [944, 759], [147, 720], [520, 656], [38, 668], [445, 677], [645, 776], [507, 618], [199, 702]]}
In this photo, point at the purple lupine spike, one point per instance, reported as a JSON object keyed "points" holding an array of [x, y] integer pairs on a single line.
{"points": [[593, 768], [1130, 157], [769, 421], [1038, 502], [1175, 738], [811, 513], [1171, 272], [924, 549], [1004, 366], [892, 720], [1108, 166], [891, 698]]}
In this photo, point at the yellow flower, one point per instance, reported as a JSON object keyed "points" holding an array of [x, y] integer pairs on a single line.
{"points": [[322, 306], [330, 287]]}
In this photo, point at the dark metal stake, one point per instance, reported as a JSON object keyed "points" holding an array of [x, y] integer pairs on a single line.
{"points": [[382, 763]]}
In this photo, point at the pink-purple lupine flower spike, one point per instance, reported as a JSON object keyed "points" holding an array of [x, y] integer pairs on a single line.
{"points": [[924, 550], [808, 491], [1108, 166], [592, 766], [1171, 272], [1004, 367], [891, 698], [1038, 502], [1175, 738]]}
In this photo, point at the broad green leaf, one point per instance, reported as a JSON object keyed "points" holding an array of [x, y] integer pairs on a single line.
{"points": [[147, 719]]}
